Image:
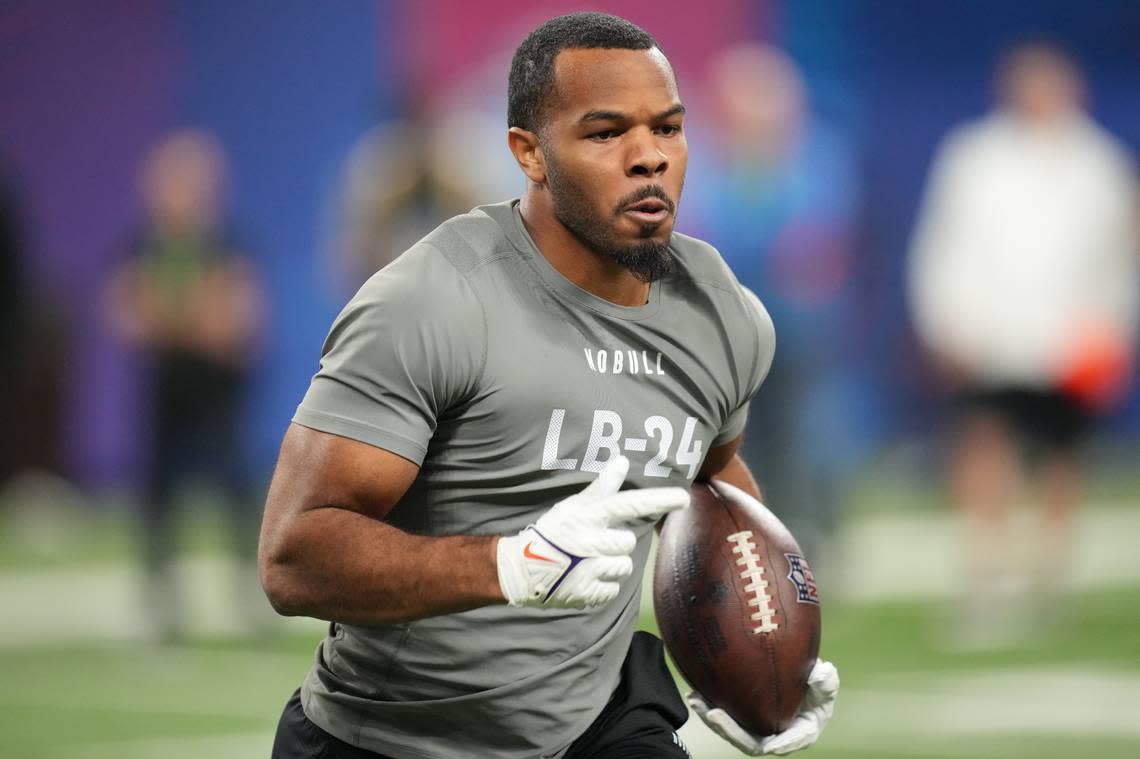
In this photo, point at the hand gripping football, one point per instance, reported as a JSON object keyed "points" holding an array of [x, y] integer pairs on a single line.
{"points": [[737, 606]]}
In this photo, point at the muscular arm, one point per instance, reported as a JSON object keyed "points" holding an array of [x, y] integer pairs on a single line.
{"points": [[326, 552], [722, 463]]}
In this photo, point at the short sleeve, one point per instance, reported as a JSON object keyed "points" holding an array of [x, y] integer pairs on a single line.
{"points": [[410, 345], [759, 339]]}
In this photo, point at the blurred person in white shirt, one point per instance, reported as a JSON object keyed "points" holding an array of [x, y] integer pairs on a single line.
{"points": [[1024, 285]]}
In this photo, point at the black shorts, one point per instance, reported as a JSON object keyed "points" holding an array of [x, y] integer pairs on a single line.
{"points": [[1044, 421], [639, 722]]}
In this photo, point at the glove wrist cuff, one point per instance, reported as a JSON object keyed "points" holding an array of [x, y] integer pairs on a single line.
{"points": [[511, 565]]}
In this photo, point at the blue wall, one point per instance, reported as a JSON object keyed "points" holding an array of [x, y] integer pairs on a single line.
{"points": [[288, 86]]}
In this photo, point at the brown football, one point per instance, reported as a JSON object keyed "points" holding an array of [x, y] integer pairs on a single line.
{"points": [[737, 606]]}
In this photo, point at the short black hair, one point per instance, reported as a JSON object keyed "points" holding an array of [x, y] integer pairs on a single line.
{"points": [[532, 69]]}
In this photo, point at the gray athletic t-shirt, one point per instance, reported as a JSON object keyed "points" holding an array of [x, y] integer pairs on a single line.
{"points": [[511, 387]]}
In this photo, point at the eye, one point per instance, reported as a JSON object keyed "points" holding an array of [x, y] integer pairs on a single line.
{"points": [[604, 136], [669, 130]]}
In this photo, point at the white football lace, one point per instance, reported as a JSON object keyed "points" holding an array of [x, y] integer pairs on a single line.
{"points": [[757, 585]]}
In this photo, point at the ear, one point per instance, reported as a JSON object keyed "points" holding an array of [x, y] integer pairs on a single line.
{"points": [[527, 151]]}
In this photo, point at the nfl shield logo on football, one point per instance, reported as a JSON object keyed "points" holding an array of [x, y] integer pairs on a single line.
{"points": [[800, 574]]}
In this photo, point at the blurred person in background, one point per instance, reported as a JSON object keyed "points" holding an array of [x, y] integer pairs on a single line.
{"points": [[33, 341], [14, 319], [396, 189], [406, 175], [1024, 287], [188, 300], [779, 199]]}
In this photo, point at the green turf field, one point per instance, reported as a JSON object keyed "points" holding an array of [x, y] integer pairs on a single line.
{"points": [[219, 696], [80, 686]]}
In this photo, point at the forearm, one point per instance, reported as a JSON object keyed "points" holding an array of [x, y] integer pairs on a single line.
{"points": [[337, 564]]}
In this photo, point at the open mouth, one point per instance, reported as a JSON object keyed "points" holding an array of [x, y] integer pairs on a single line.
{"points": [[648, 211]]}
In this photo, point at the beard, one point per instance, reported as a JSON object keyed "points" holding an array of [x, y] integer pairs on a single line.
{"points": [[648, 260]]}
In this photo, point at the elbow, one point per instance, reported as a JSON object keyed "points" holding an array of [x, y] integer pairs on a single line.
{"points": [[282, 585]]}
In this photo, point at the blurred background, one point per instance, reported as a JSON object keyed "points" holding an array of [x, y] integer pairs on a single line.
{"points": [[935, 200]]}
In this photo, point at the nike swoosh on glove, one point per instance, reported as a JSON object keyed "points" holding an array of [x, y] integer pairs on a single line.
{"points": [[578, 552], [806, 727]]}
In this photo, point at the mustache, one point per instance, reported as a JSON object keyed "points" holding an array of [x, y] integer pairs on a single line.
{"points": [[644, 193]]}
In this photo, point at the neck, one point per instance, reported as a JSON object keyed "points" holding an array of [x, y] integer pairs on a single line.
{"points": [[573, 259], [1053, 121], [171, 226]]}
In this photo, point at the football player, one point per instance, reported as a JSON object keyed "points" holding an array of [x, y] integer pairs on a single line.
{"points": [[469, 487]]}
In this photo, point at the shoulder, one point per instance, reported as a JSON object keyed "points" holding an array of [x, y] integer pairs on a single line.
{"points": [[971, 149], [741, 322], [441, 263], [418, 311], [705, 275], [701, 265], [970, 139], [1112, 153], [424, 284], [759, 317], [473, 239]]}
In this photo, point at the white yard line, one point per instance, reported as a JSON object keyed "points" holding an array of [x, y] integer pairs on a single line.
{"points": [[172, 664], [106, 603], [919, 555], [1038, 701], [928, 714]]}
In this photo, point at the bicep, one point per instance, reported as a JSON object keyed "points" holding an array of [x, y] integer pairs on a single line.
{"points": [[320, 470]]}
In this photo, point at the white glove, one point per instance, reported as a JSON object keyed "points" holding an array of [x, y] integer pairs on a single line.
{"points": [[574, 556], [819, 703]]}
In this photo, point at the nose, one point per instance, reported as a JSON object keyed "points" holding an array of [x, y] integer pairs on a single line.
{"points": [[646, 158]]}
